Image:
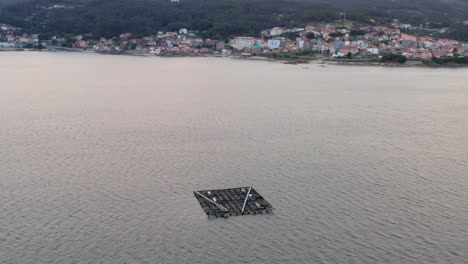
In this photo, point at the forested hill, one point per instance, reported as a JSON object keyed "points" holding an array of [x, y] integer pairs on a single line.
{"points": [[112, 17], [215, 17]]}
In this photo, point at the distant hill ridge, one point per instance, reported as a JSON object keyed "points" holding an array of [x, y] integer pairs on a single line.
{"points": [[215, 17]]}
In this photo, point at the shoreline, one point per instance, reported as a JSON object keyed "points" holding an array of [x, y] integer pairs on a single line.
{"points": [[272, 58]]}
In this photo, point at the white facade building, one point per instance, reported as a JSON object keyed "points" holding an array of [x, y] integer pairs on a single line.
{"points": [[274, 44], [276, 31], [240, 43]]}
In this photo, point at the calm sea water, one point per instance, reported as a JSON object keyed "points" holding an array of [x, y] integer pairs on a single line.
{"points": [[99, 156]]}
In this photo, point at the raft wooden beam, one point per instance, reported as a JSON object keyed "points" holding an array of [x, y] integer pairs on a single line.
{"points": [[245, 201], [213, 202]]}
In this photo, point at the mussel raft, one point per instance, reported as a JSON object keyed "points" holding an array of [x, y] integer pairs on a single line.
{"points": [[231, 202]]}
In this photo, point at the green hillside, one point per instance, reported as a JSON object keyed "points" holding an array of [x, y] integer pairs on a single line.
{"points": [[215, 17]]}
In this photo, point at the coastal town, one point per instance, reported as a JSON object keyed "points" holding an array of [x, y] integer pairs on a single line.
{"points": [[328, 41]]}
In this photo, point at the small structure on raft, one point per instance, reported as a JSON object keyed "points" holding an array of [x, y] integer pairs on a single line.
{"points": [[230, 202]]}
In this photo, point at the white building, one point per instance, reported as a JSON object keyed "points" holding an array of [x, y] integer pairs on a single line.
{"points": [[24, 40], [300, 43], [405, 26], [274, 44], [373, 51], [428, 44], [240, 43], [4, 45], [276, 31]]}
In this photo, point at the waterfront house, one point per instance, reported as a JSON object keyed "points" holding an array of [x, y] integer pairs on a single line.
{"points": [[79, 44], [347, 49], [175, 50], [425, 55], [24, 39], [240, 43], [7, 45], [373, 51]]}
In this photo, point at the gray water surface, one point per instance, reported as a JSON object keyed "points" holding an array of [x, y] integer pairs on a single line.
{"points": [[100, 155]]}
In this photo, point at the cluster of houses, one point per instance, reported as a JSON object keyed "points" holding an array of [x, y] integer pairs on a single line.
{"points": [[321, 40], [327, 40], [163, 43], [10, 39]]}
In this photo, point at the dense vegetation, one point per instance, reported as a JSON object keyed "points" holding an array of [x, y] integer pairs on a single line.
{"points": [[450, 60], [457, 31], [414, 11], [216, 18], [113, 17], [392, 57]]}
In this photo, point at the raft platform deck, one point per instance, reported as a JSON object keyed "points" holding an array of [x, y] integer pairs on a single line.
{"points": [[231, 202]]}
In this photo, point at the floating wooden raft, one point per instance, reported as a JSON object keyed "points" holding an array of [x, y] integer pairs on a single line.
{"points": [[235, 201]]}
